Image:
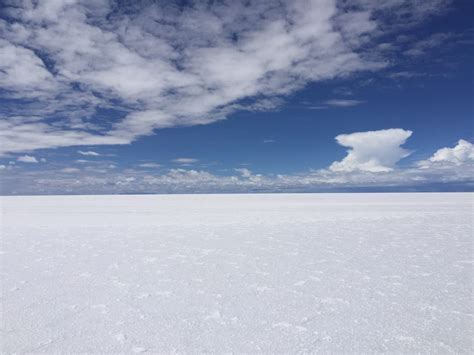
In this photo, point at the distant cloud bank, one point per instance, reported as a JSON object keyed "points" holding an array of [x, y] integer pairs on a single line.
{"points": [[370, 163]]}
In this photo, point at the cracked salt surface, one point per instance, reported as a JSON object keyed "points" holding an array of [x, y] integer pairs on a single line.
{"points": [[237, 273]]}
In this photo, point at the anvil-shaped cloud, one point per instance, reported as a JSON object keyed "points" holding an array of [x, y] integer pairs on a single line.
{"points": [[374, 151]]}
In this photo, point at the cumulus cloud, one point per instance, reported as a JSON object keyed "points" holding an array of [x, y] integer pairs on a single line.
{"points": [[156, 65], [192, 181], [453, 169], [249, 177], [27, 159], [373, 151], [244, 172], [89, 153], [461, 153]]}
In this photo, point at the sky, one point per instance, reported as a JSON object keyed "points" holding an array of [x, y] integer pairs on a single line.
{"points": [[104, 97]]}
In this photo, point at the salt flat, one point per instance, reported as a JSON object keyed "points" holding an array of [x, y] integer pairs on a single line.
{"points": [[237, 273]]}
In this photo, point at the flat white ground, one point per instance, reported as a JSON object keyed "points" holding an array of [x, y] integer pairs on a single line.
{"points": [[237, 273]]}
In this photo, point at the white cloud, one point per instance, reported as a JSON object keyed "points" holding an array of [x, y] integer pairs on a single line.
{"points": [[161, 66], [23, 70], [125, 181], [462, 152], [405, 75], [2, 167], [70, 170], [89, 153], [248, 176], [27, 159], [149, 165], [185, 161], [343, 91], [244, 172], [318, 107], [373, 151], [268, 141], [183, 180], [421, 47], [30, 136], [355, 176], [343, 102]]}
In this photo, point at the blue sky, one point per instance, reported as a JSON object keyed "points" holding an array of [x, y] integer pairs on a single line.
{"points": [[156, 97]]}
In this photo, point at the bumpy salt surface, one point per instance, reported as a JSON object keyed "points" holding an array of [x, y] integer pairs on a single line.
{"points": [[237, 273]]}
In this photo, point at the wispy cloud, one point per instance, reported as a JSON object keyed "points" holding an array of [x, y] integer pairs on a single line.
{"points": [[149, 165], [186, 161], [88, 153], [318, 107], [405, 75], [159, 66], [343, 91], [420, 47], [343, 102], [70, 170]]}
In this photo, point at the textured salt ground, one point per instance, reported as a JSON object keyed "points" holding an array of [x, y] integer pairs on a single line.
{"points": [[237, 273]]}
